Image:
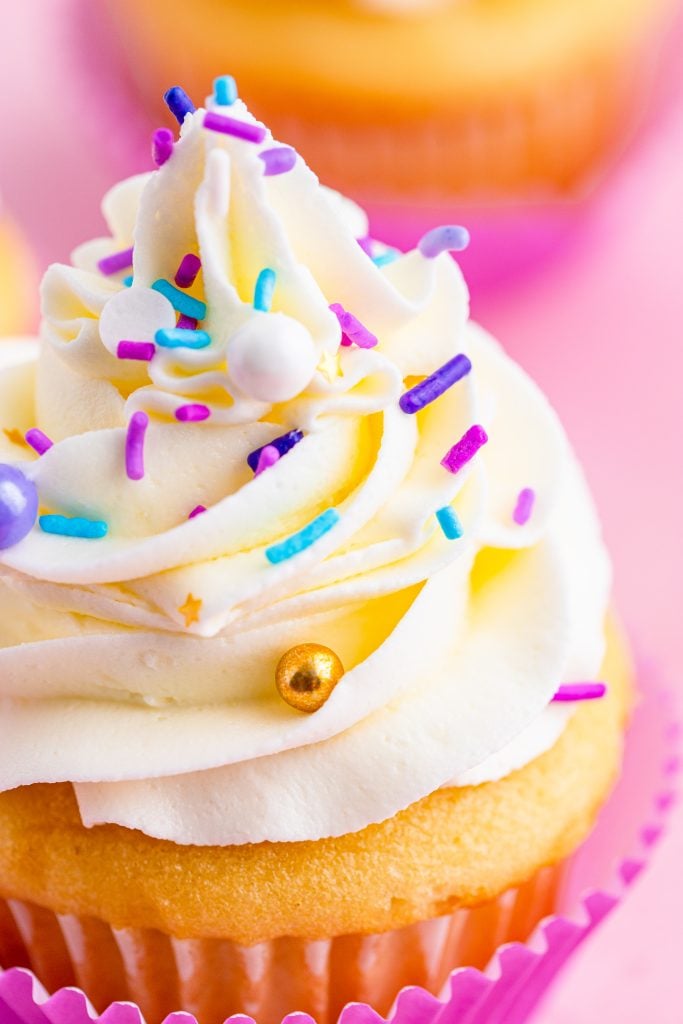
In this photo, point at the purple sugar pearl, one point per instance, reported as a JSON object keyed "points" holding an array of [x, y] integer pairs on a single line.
{"points": [[18, 506]]}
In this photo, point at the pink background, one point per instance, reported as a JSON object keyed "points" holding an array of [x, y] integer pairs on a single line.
{"points": [[600, 326]]}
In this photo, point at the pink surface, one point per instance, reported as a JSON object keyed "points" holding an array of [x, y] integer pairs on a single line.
{"points": [[600, 327]]}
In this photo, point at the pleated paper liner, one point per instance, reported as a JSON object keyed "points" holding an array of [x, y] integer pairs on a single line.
{"points": [[505, 953]]}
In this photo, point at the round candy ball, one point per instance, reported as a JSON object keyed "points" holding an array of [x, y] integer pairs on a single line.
{"points": [[306, 676], [271, 358], [134, 314], [18, 505]]}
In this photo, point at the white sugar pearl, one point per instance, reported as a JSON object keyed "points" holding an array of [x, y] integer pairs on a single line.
{"points": [[271, 358], [134, 314]]}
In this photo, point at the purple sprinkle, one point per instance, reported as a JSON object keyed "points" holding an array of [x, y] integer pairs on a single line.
{"points": [[231, 126], [267, 458], [283, 444], [186, 323], [179, 103], [367, 245], [449, 238], [524, 506], [465, 449], [192, 413], [39, 441], [190, 265], [278, 160], [162, 146], [141, 350], [435, 385], [352, 329], [117, 261], [580, 691], [135, 444], [197, 511]]}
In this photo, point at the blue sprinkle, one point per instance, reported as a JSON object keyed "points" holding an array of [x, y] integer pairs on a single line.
{"points": [[180, 337], [304, 538], [181, 301], [91, 529], [263, 292], [128, 281], [390, 256], [449, 523], [179, 103], [284, 443], [225, 90]]}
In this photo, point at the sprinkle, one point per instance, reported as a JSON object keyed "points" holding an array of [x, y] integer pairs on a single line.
{"points": [[190, 265], [449, 523], [268, 457], [179, 103], [433, 386], [225, 90], [197, 511], [89, 529], [465, 449], [186, 323], [162, 146], [283, 444], [179, 337], [117, 261], [191, 609], [231, 126], [128, 281], [298, 542], [141, 350], [382, 259], [39, 441], [353, 330], [449, 238], [524, 506], [135, 445], [192, 413], [180, 301], [15, 436], [278, 160], [366, 244], [263, 290], [580, 691]]}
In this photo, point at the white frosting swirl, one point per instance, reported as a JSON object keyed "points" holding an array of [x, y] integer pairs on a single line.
{"points": [[452, 649]]}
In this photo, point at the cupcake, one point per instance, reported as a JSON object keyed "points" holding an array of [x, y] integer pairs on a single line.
{"points": [[305, 607]]}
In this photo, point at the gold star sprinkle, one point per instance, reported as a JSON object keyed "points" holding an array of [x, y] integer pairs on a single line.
{"points": [[329, 366], [15, 436], [191, 610]]}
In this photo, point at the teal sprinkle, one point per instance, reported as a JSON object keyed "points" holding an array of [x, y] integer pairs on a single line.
{"points": [[263, 292], [390, 256], [181, 301], [304, 538], [128, 281], [449, 523], [180, 337], [224, 90], [91, 529]]}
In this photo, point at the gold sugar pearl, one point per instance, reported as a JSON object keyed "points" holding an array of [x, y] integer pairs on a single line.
{"points": [[306, 675]]}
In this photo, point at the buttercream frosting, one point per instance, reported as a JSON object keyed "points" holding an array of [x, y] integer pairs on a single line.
{"points": [[453, 649]]}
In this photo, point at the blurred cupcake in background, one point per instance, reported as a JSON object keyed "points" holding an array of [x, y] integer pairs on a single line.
{"points": [[466, 105], [18, 305]]}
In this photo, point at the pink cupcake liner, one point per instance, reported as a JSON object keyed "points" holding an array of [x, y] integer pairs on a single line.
{"points": [[505, 992]]}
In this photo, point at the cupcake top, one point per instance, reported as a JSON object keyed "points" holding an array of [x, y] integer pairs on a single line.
{"points": [[251, 428]]}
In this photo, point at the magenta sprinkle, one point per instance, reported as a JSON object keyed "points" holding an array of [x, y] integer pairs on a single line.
{"points": [[278, 160], [135, 445], [465, 449], [197, 511], [580, 691], [141, 350], [524, 506], [117, 261], [192, 413], [268, 456], [187, 323], [190, 265], [162, 146], [353, 331], [231, 126], [39, 441], [366, 245]]}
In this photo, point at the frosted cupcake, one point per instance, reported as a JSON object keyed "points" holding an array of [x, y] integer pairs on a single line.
{"points": [[304, 598]]}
